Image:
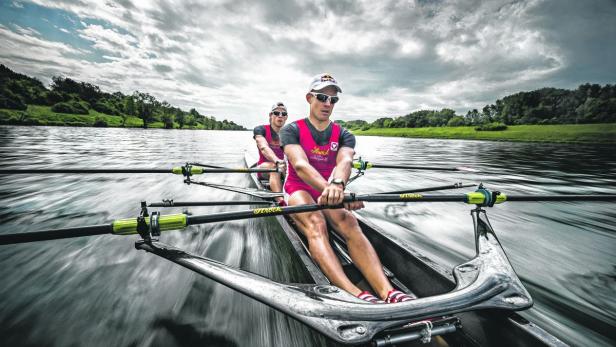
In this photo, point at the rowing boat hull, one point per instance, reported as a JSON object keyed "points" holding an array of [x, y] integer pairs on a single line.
{"points": [[425, 278]]}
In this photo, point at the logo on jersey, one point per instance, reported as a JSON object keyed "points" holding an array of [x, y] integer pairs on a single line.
{"points": [[334, 146], [318, 151]]}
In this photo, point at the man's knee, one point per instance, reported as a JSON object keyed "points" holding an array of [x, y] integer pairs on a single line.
{"points": [[317, 228], [344, 220]]}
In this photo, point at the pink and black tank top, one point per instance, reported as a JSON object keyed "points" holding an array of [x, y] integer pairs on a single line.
{"points": [[322, 158], [274, 145]]}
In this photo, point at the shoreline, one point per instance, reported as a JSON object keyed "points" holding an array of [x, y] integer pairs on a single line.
{"points": [[37, 115], [598, 134]]}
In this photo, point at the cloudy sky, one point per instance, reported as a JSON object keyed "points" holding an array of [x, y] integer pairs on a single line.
{"points": [[233, 59]]}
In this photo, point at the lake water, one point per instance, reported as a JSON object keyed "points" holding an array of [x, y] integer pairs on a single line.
{"points": [[100, 291]]}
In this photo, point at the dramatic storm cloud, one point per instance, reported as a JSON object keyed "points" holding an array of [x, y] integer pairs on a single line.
{"points": [[232, 59]]}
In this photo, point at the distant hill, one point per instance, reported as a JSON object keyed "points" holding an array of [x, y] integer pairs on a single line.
{"points": [[589, 103], [69, 102]]}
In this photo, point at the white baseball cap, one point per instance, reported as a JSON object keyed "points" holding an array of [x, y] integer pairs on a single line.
{"points": [[279, 104], [323, 80]]}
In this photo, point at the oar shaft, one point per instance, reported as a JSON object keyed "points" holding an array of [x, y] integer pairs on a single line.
{"points": [[410, 197], [80, 171], [55, 234], [239, 170], [413, 167], [256, 213], [208, 165], [364, 165], [478, 198], [207, 203], [605, 197], [194, 171], [431, 189]]}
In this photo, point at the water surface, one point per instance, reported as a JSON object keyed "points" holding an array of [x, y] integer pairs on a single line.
{"points": [[99, 290]]}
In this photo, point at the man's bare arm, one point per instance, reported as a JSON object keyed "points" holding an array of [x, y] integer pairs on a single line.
{"points": [[265, 149], [344, 164]]}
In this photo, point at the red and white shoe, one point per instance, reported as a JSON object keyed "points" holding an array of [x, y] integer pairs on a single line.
{"points": [[394, 296], [367, 296]]}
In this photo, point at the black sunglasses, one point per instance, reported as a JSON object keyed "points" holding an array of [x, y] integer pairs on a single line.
{"points": [[324, 97], [278, 113]]}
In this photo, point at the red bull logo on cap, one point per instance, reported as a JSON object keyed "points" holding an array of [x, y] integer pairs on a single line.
{"points": [[327, 77]]}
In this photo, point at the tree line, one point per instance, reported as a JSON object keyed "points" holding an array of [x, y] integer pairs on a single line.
{"points": [[589, 103], [66, 95]]}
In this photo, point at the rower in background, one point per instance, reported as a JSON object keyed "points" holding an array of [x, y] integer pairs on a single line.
{"points": [[271, 155], [320, 156]]}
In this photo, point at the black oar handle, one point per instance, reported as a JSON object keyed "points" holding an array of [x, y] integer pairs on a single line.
{"points": [[55, 234]]}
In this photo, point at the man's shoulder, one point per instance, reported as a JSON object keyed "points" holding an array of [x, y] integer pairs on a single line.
{"points": [[289, 134], [289, 126], [259, 130]]}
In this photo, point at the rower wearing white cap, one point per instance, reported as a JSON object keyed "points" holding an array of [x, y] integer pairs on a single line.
{"points": [[320, 157]]}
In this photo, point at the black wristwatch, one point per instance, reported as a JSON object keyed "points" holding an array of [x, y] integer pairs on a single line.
{"points": [[338, 181]]}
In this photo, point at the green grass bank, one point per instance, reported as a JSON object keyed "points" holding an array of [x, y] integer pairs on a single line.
{"points": [[566, 133], [43, 115]]}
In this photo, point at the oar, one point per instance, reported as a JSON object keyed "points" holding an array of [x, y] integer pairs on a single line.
{"points": [[431, 189], [171, 203], [364, 165], [180, 221], [178, 170], [258, 193], [207, 165]]}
